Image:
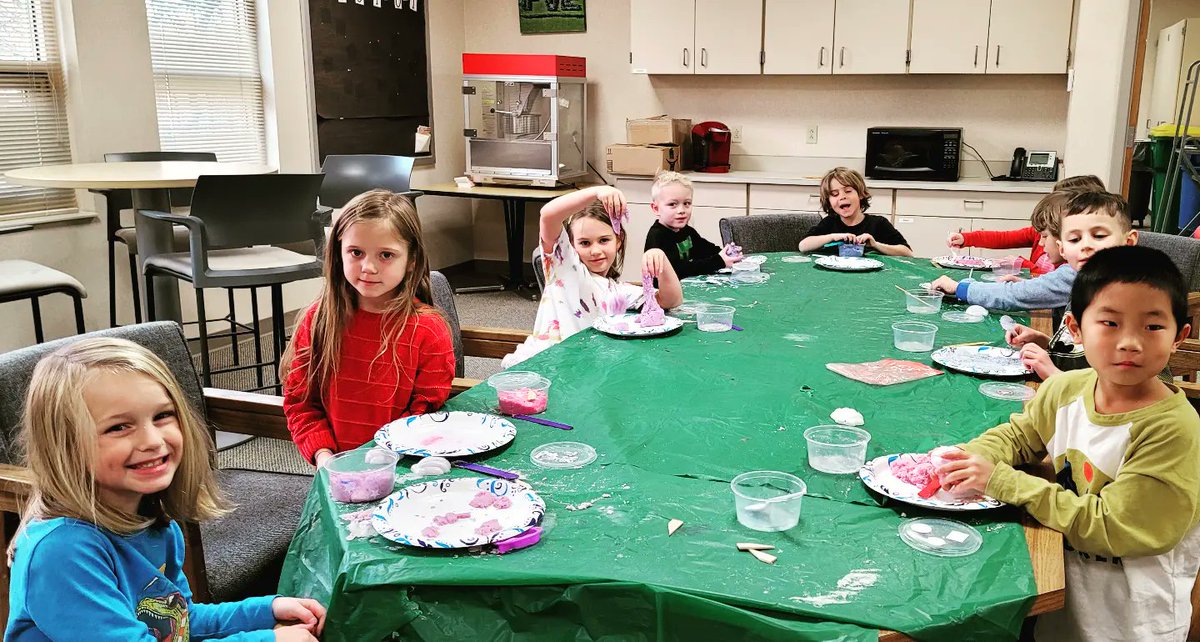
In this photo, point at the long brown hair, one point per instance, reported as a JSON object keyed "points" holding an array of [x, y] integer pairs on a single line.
{"points": [[595, 210], [58, 437], [338, 301]]}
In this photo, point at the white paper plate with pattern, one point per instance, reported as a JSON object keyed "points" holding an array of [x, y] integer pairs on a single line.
{"points": [[987, 361], [877, 475], [626, 325], [964, 262], [848, 263], [446, 434], [458, 513]]}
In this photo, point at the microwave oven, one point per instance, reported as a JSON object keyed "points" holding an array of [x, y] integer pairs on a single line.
{"points": [[913, 153]]}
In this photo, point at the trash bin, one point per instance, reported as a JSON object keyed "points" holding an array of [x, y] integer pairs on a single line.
{"points": [[1162, 139], [1141, 179], [1189, 190]]}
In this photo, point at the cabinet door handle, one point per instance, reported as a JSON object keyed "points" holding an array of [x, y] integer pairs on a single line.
{"points": [[703, 56], [997, 55], [972, 205], [976, 63], [842, 57], [685, 57], [821, 58]]}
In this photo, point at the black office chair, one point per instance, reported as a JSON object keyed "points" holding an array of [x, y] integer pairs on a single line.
{"points": [[116, 200], [236, 227], [351, 175]]}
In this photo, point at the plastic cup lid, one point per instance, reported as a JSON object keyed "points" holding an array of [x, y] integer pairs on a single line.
{"points": [[563, 455], [1007, 391], [941, 537], [959, 316]]}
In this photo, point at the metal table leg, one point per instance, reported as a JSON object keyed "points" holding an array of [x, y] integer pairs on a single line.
{"points": [[514, 233], [157, 237]]}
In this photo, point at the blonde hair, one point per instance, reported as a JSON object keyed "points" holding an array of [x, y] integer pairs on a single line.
{"points": [[336, 304], [848, 178], [595, 210], [664, 179], [1047, 214], [59, 435]]}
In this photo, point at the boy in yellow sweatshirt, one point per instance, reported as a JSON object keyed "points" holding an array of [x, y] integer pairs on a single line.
{"points": [[1126, 450]]}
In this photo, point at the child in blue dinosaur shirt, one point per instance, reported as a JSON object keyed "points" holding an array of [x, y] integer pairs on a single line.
{"points": [[117, 456]]}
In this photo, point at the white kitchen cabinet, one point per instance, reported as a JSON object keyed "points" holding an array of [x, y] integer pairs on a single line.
{"points": [[1029, 36], [927, 235], [871, 36], [949, 36], [695, 37], [798, 37], [1178, 47], [662, 37], [729, 37]]}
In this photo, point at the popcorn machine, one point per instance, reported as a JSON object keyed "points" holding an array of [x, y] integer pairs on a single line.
{"points": [[525, 116]]}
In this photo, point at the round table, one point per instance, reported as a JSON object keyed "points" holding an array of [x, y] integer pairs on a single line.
{"points": [[150, 184]]}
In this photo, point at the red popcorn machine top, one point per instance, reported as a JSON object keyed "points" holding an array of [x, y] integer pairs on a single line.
{"points": [[525, 117]]}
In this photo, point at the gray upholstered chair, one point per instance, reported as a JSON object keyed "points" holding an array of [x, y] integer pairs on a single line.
{"points": [[470, 341], [233, 557], [236, 226], [768, 232], [1183, 250], [21, 280]]}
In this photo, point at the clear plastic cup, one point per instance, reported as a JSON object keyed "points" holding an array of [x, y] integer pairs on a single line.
{"points": [[362, 475], [913, 336], [923, 301], [837, 449], [715, 318], [745, 271], [519, 392], [768, 500], [1008, 266]]}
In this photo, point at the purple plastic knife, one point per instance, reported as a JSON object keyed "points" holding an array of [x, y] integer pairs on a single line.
{"points": [[486, 470], [544, 422], [734, 327]]}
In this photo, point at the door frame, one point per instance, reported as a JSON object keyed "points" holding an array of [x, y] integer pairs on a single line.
{"points": [[1135, 93]]}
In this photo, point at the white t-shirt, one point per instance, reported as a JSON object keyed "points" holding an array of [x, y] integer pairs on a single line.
{"points": [[572, 299]]}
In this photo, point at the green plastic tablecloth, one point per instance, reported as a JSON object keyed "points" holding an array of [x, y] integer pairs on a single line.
{"points": [[673, 420]]}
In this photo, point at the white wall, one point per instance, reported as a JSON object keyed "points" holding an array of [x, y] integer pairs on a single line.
{"points": [[1099, 106], [997, 113]]}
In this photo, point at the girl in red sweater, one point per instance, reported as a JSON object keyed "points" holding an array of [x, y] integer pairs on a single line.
{"points": [[372, 348], [1039, 261]]}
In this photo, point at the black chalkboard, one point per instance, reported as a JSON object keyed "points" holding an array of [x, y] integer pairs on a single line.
{"points": [[370, 75]]}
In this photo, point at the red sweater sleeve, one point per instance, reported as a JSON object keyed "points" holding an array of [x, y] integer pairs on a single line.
{"points": [[306, 418], [435, 364], [1002, 239]]}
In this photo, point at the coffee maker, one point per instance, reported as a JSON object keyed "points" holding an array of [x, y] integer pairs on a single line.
{"points": [[710, 146]]}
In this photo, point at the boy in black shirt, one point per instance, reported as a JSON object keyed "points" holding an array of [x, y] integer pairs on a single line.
{"points": [[689, 253], [844, 196]]}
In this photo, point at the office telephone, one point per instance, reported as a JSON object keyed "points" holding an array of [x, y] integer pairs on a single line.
{"points": [[1033, 166]]}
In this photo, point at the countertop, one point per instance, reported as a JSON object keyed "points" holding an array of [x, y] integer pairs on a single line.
{"points": [[784, 178]]}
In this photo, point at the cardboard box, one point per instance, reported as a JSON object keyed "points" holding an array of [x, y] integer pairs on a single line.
{"points": [[662, 130], [642, 160]]}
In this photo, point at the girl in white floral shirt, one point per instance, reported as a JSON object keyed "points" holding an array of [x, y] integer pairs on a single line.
{"points": [[581, 253]]}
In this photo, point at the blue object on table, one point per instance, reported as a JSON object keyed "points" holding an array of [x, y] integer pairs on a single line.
{"points": [[1189, 191], [850, 249]]}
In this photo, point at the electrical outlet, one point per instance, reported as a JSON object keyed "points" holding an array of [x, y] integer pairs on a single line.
{"points": [[810, 135], [735, 134]]}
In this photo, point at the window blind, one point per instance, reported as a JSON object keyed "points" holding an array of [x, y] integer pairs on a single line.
{"points": [[33, 118], [207, 81]]}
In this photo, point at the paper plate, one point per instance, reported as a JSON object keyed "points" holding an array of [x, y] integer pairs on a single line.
{"points": [[495, 509], [626, 325], [988, 361], [848, 263], [964, 262], [877, 475], [941, 537], [446, 434], [1007, 391]]}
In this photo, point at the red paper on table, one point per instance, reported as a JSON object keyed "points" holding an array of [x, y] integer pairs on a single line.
{"points": [[884, 372]]}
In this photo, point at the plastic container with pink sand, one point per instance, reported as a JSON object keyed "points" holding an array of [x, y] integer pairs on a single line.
{"points": [[519, 392]]}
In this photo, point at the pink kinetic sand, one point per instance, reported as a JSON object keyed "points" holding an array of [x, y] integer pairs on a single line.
{"points": [[490, 527], [502, 503], [915, 469], [366, 486], [522, 401], [429, 532], [652, 314], [483, 499]]}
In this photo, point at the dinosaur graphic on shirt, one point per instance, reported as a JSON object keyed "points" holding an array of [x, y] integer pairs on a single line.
{"points": [[166, 616]]}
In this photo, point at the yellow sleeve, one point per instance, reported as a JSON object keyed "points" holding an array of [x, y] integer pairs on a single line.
{"points": [[1021, 440]]}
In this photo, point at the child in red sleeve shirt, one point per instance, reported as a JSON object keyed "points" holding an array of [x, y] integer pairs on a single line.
{"points": [[1039, 262], [371, 348]]}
